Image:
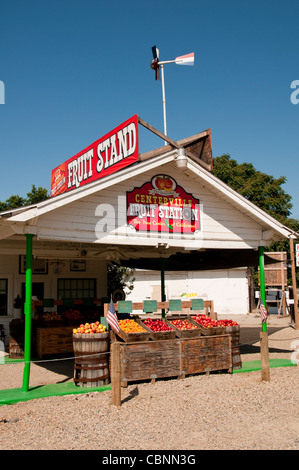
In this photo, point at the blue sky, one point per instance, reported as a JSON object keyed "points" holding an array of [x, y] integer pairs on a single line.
{"points": [[73, 70]]}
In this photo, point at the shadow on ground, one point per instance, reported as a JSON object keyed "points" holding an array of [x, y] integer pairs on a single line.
{"points": [[250, 337]]}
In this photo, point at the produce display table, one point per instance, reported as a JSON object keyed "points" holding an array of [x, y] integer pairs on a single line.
{"points": [[53, 340], [174, 357]]}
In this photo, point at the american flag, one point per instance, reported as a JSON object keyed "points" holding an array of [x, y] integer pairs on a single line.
{"points": [[264, 312], [112, 318]]}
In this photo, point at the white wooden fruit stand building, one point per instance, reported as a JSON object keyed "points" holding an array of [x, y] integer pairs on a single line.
{"points": [[136, 209]]}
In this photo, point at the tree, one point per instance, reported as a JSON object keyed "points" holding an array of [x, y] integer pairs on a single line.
{"points": [[264, 191], [260, 188], [119, 277], [37, 195], [34, 196]]}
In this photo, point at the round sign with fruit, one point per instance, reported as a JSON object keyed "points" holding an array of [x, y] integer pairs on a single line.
{"points": [[163, 184]]}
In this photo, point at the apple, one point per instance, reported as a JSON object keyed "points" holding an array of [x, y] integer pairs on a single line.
{"points": [[160, 183], [167, 184]]}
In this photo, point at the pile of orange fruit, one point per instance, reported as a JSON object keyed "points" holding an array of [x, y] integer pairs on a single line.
{"points": [[131, 326]]}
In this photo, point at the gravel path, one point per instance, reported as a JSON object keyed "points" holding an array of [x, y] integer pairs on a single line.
{"points": [[202, 412]]}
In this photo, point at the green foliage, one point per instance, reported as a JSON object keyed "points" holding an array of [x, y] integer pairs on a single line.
{"points": [[264, 191], [37, 195], [34, 196], [119, 277], [260, 188]]}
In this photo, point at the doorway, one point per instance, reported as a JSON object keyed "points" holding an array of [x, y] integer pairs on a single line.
{"points": [[37, 291]]}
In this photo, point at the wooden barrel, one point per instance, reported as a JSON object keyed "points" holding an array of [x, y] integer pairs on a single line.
{"points": [[234, 331], [91, 366]]}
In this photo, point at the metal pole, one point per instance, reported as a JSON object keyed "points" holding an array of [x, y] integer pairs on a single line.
{"points": [[262, 281], [164, 101], [28, 304]]}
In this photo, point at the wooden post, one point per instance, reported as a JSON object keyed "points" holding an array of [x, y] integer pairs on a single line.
{"points": [[265, 356], [265, 366], [294, 283], [115, 374]]}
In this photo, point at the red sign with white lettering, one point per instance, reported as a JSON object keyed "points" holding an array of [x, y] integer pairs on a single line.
{"points": [[161, 205], [116, 150]]}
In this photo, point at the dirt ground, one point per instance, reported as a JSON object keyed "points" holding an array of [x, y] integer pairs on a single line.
{"points": [[201, 412]]}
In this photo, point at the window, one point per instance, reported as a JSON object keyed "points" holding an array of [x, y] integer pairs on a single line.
{"points": [[3, 296], [76, 288]]}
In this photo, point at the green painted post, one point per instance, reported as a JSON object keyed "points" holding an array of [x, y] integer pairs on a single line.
{"points": [[262, 281], [163, 298], [28, 306]]}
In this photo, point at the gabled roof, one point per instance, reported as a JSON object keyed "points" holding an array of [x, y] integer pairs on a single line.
{"points": [[198, 160]]}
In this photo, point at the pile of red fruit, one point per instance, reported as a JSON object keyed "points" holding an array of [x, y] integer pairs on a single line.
{"points": [[183, 324], [157, 325], [73, 315], [207, 322]]}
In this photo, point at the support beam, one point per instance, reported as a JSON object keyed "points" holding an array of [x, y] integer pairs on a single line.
{"points": [[262, 281], [265, 365], [115, 374], [28, 305], [158, 133]]}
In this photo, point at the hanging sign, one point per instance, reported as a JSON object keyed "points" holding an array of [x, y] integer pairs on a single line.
{"points": [[161, 205], [297, 255], [114, 151]]}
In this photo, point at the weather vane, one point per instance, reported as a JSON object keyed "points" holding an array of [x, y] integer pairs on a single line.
{"points": [[156, 65]]}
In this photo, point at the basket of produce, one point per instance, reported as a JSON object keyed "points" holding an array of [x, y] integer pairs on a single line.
{"points": [[51, 319], [207, 325], [184, 328], [158, 329], [131, 331], [73, 317], [91, 349]]}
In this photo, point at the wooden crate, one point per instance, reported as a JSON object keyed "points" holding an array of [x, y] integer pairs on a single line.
{"points": [[234, 332], [151, 360], [158, 335], [194, 333], [174, 358], [133, 337], [16, 348], [55, 340], [206, 354]]}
